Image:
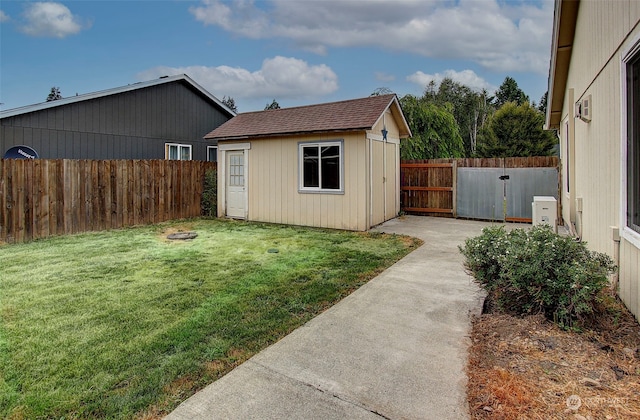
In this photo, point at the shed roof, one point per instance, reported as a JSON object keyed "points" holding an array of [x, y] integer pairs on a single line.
{"points": [[183, 78], [350, 115]]}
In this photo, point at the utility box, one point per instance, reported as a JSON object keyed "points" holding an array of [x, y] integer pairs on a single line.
{"points": [[544, 211]]}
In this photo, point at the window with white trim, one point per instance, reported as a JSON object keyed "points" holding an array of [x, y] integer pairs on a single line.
{"points": [[212, 153], [321, 166], [175, 151], [633, 141]]}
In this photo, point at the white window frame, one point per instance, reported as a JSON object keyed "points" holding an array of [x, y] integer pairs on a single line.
{"points": [[179, 146], [319, 145], [628, 55], [217, 153]]}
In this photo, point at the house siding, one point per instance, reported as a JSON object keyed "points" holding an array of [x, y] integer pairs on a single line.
{"points": [[130, 125], [603, 31]]}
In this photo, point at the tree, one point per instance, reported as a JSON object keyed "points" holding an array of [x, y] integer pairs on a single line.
{"points": [[510, 92], [435, 131], [230, 103], [381, 91], [273, 105], [470, 108], [515, 130], [542, 107], [54, 95]]}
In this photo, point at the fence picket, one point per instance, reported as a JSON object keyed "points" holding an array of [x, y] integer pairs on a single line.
{"points": [[429, 186], [41, 198]]}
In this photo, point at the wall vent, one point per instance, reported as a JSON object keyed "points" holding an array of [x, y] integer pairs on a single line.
{"points": [[584, 109]]}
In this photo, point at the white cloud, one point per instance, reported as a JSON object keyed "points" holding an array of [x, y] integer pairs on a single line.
{"points": [[50, 19], [498, 35], [465, 77], [279, 77], [384, 77], [4, 17]]}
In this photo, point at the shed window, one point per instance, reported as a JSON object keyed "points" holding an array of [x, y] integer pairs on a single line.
{"points": [[175, 151], [321, 167]]}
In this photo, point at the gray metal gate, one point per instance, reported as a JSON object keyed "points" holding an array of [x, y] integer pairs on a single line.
{"points": [[481, 191]]}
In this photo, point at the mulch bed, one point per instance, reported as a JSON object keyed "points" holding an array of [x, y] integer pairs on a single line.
{"points": [[529, 368]]}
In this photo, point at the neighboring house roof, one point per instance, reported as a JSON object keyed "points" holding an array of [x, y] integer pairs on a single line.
{"points": [[564, 29], [115, 91], [351, 115]]}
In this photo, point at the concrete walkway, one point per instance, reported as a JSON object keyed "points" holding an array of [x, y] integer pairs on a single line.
{"points": [[396, 348]]}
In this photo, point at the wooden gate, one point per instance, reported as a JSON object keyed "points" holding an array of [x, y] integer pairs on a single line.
{"points": [[428, 187]]}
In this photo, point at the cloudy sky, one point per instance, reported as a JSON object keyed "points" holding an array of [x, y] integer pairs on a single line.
{"points": [[295, 51]]}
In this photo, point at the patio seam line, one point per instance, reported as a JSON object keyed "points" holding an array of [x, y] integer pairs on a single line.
{"points": [[323, 391]]}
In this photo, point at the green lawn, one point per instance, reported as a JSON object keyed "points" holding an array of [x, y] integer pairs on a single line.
{"points": [[126, 324]]}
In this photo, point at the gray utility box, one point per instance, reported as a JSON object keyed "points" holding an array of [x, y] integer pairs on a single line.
{"points": [[544, 211]]}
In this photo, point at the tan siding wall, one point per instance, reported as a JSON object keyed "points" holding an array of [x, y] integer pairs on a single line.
{"points": [[630, 276], [273, 185], [603, 30]]}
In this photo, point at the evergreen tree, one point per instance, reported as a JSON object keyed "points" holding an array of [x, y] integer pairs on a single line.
{"points": [[542, 107], [230, 103], [381, 91], [273, 105], [515, 130], [54, 95], [510, 92]]}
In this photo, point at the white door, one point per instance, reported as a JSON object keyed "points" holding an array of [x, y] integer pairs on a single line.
{"points": [[236, 180]]}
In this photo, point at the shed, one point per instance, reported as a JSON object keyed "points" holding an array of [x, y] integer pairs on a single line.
{"points": [[333, 165], [163, 118]]}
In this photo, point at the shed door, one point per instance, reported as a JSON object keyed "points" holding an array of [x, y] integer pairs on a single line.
{"points": [[236, 180]]}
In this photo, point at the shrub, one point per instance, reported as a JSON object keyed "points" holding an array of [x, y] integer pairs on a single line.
{"points": [[209, 202], [536, 270]]}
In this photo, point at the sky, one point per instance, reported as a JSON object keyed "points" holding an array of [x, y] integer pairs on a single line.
{"points": [[297, 52]]}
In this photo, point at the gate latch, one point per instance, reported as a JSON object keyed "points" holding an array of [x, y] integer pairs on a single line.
{"points": [[503, 177]]}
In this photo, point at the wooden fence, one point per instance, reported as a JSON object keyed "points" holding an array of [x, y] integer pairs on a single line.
{"points": [[429, 186], [41, 198]]}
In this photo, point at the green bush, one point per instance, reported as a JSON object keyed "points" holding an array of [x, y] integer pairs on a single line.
{"points": [[209, 201], [536, 270]]}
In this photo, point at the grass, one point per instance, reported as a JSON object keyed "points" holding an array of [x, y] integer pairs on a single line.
{"points": [[126, 324]]}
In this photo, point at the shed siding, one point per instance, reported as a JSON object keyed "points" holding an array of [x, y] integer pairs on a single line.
{"points": [[136, 124], [603, 31], [273, 194], [391, 189]]}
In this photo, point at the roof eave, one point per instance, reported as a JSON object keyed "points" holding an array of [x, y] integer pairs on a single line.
{"points": [[564, 27], [286, 134]]}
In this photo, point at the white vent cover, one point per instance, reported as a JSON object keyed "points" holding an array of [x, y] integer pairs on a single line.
{"points": [[584, 109]]}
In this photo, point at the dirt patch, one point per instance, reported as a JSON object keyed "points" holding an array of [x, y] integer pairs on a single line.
{"points": [[184, 387], [177, 229], [530, 368]]}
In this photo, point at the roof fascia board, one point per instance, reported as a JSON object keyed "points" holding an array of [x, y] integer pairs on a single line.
{"points": [[291, 134], [564, 19], [396, 104]]}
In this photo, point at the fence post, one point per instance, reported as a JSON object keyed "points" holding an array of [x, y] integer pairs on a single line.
{"points": [[454, 191]]}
